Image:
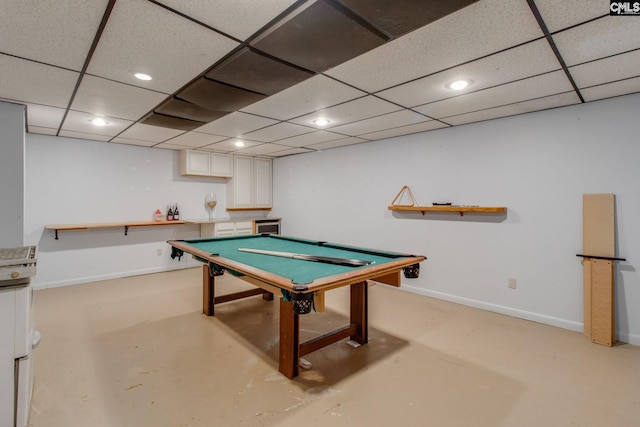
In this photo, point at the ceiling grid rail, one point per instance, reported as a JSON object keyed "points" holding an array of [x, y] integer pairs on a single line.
{"points": [[92, 49], [552, 43]]}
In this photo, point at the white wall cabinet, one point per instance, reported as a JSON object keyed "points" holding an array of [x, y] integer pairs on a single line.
{"points": [[251, 184], [262, 185], [221, 165], [203, 163]]}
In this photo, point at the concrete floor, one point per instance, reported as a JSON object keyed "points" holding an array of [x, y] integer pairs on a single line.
{"points": [[138, 352]]}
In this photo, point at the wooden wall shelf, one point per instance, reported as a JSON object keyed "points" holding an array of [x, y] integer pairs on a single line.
{"points": [[126, 225], [460, 209]]}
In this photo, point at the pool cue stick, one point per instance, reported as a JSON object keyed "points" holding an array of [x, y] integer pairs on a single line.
{"points": [[316, 258]]}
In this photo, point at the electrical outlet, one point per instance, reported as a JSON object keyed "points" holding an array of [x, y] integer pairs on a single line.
{"points": [[159, 252], [512, 283]]}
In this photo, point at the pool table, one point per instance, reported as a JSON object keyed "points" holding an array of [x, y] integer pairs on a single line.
{"points": [[300, 283]]}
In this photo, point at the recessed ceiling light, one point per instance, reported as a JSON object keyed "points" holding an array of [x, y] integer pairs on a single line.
{"points": [[321, 122], [239, 144], [458, 84], [99, 122], [142, 76]]}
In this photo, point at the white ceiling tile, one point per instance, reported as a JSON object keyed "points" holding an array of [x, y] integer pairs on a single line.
{"points": [[598, 39], [276, 132], [343, 142], [612, 89], [351, 111], [291, 152], [405, 130], [263, 149], [149, 133], [84, 135], [195, 139], [235, 124], [108, 98], [499, 45], [143, 37], [168, 146], [204, 149], [36, 83], [473, 32], [392, 120], [77, 121], [42, 131], [53, 32], [310, 139], [229, 145], [514, 64], [240, 21], [308, 96], [48, 117], [522, 90], [545, 103], [558, 15], [128, 141], [617, 67]]}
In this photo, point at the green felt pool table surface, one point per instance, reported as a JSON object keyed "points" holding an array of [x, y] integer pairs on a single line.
{"points": [[294, 274]]}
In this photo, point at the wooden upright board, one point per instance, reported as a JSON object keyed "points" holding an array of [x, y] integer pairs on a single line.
{"points": [[598, 234], [598, 225]]}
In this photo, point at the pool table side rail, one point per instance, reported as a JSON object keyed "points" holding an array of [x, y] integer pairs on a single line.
{"points": [[324, 283]]}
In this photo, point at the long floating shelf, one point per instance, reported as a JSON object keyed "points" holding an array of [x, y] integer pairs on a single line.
{"points": [[460, 209], [126, 225]]}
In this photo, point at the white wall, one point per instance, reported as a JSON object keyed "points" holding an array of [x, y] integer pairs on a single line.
{"points": [[70, 181], [12, 174], [537, 165]]}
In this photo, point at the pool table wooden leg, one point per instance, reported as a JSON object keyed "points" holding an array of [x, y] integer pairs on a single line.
{"points": [[209, 298], [289, 340], [208, 287], [290, 347], [359, 312]]}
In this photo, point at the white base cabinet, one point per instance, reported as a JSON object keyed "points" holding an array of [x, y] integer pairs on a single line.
{"points": [[226, 228], [239, 228]]}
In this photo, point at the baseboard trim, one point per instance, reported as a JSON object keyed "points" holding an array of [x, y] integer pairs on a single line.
{"points": [[100, 278], [513, 312]]}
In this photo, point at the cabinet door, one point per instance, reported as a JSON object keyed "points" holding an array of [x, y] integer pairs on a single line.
{"points": [[222, 165], [262, 183], [195, 163], [224, 229], [242, 182], [244, 227]]}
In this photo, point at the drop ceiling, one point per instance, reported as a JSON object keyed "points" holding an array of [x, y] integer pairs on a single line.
{"points": [[262, 71]]}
